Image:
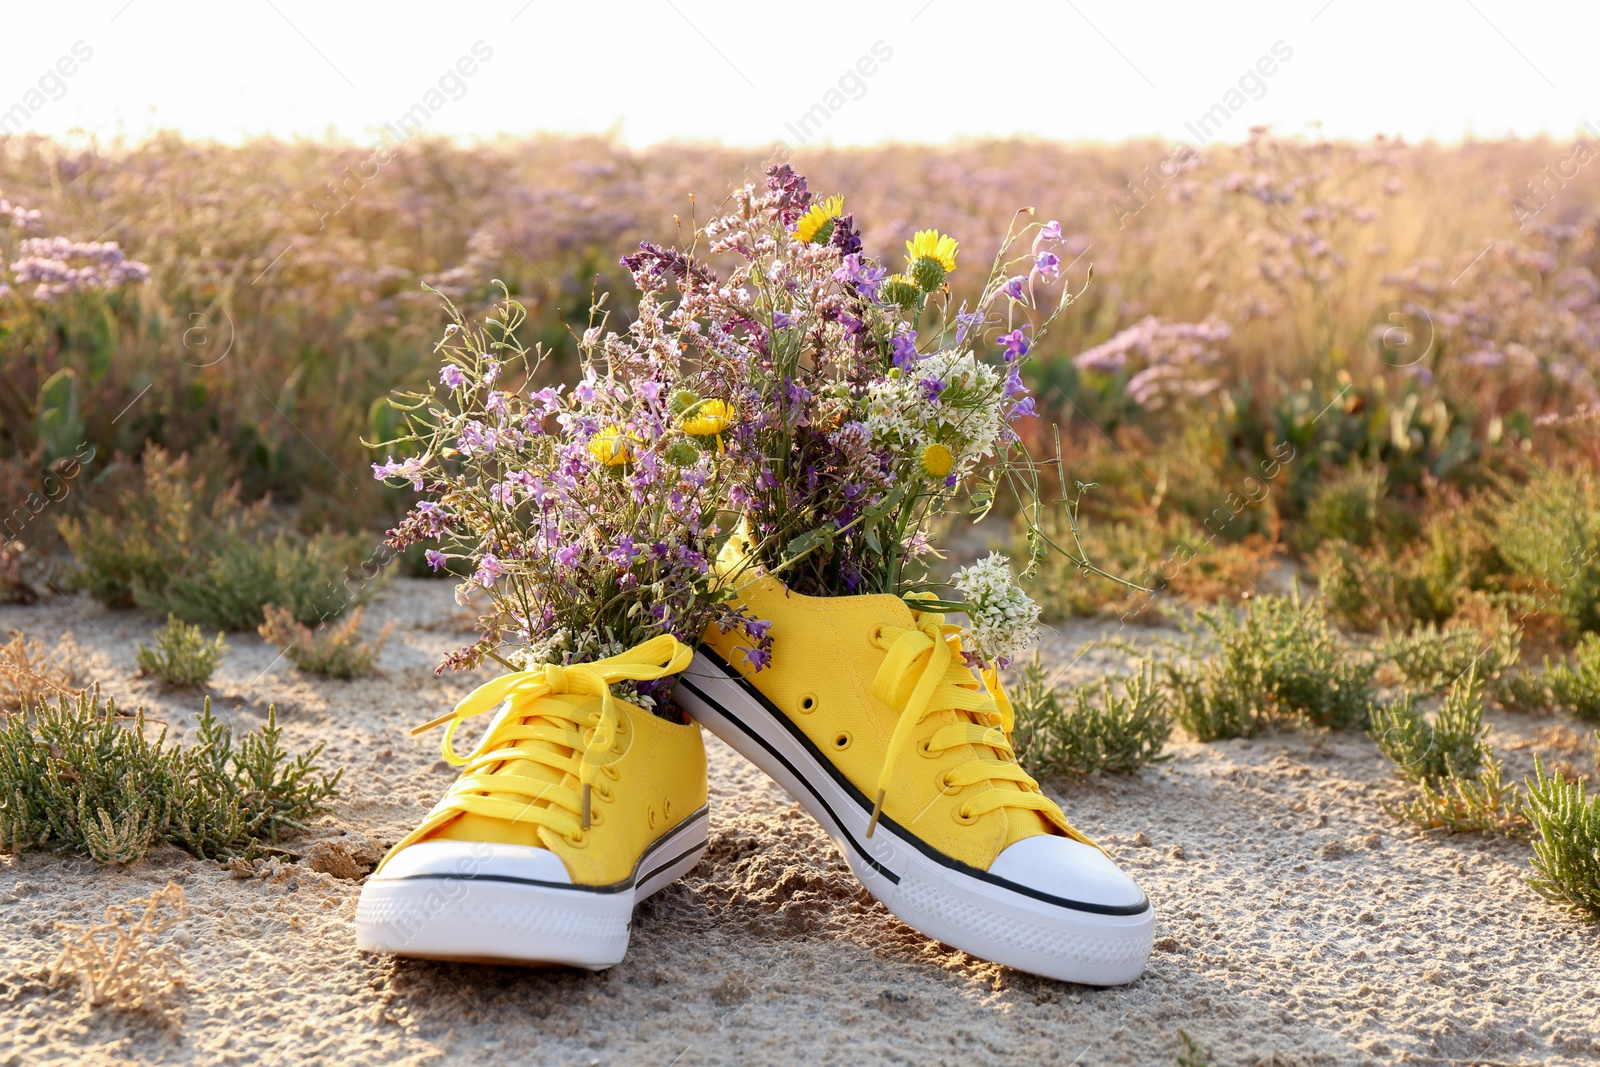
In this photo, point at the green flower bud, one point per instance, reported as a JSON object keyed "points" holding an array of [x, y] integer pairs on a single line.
{"points": [[899, 291], [682, 454], [928, 273], [682, 400]]}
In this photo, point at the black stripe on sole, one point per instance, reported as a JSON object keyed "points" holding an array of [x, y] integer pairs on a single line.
{"points": [[883, 820]]}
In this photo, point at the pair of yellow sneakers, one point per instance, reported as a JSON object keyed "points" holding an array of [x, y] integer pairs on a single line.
{"points": [[576, 805]]}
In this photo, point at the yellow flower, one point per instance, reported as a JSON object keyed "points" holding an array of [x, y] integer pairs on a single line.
{"points": [[931, 244], [613, 446], [711, 418], [819, 215], [938, 460]]}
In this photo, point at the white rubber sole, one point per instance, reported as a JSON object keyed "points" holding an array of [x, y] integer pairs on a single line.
{"points": [[938, 896], [478, 916]]}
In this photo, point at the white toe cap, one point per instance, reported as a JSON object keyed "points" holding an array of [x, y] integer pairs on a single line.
{"points": [[474, 859], [1067, 869]]}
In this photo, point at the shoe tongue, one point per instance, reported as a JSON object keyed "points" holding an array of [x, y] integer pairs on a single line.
{"points": [[472, 827]]}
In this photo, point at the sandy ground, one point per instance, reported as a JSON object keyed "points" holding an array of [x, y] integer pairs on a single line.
{"points": [[1297, 923]]}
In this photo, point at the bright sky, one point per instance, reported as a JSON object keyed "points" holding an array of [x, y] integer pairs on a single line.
{"points": [[746, 71]]}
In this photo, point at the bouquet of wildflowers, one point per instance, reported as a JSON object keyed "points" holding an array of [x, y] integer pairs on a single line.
{"points": [[861, 402], [587, 516]]}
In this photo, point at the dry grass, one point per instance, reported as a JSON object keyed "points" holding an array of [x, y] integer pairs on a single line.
{"points": [[31, 672], [122, 961]]}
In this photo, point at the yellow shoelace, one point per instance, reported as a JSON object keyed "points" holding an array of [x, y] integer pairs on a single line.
{"points": [[924, 673], [532, 717]]}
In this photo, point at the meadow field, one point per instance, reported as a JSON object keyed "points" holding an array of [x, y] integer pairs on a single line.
{"points": [[1330, 412]]}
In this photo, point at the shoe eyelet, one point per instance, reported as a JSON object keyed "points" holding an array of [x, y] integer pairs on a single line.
{"points": [[596, 817], [947, 787], [962, 816], [651, 813], [610, 772], [666, 806], [603, 793], [842, 740], [808, 704], [875, 636], [925, 749], [579, 840]]}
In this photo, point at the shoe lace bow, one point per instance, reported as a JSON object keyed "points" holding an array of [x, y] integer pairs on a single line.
{"points": [[587, 738], [925, 672]]}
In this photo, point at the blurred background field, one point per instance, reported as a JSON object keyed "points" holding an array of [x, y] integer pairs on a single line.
{"points": [[1374, 361]]}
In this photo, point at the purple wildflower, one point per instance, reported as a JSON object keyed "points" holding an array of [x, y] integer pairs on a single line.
{"points": [[932, 387], [435, 558], [1015, 344], [489, 569], [451, 377], [904, 346], [1048, 264], [624, 554]]}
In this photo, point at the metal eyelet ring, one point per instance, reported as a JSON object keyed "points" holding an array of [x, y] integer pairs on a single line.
{"points": [[947, 787], [808, 703], [962, 816], [610, 772], [596, 817], [842, 740], [580, 839], [926, 749], [603, 793], [876, 636]]}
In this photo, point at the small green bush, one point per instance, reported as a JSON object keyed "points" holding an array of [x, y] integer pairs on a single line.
{"points": [[73, 778], [1450, 746], [1459, 783], [1566, 844], [230, 589], [1571, 684], [1098, 731], [1346, 507], [1430, 658], [176, 545], [181, 656], [333, 650], [1278, 659], [1548, 534], [147, 530]]}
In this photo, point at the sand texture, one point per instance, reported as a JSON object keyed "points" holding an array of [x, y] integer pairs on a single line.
{"points": [[1297, 922]]}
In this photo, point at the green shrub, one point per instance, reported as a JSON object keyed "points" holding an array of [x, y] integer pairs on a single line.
{"points": [[73, 778], [1483, 803], [1566, 844], [228, 590], [1276, 660], [1098, 731], [333, 650], [147, 531], [176, 545], [181, 655], [1430, 658], [1571, 684], [1345, 507], [1548, 534], [1460, 785], [1450, 746]]}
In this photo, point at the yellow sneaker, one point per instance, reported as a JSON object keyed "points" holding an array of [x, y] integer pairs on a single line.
{"points": [[573, 807], [867, 715]]}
